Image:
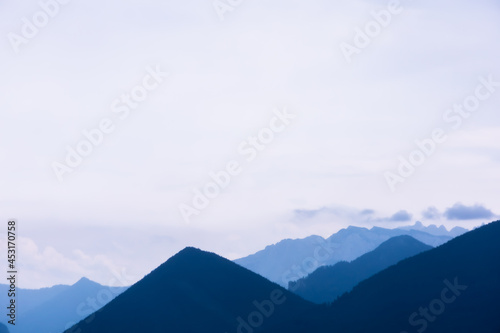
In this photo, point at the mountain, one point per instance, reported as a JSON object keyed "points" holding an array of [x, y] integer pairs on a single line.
{"points": [[328, 282], [31, 298], [282, 262], [290, 260], [435, 230], [68, 305], [196, 291], [3, 328], [452, 288]]}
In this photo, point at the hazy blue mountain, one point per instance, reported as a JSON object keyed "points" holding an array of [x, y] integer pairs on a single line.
{"points": [[435, 230], [286, 260], [290, 260], [328, 282], [68, 305], [452, 288], [196, 291], [3, 328], [31, 298]]}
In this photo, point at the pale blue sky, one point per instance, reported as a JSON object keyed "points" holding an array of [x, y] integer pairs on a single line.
{"points": [[225, 79]]}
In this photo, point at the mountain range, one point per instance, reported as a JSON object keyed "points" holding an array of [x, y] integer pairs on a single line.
{"points": [[292, 259], [51, 310], [436, 230], [31, 298], [328, 282], [451, 288], [196, 291]]}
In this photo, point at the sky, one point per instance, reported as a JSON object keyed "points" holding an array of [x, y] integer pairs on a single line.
{"points": [[130, 129]]}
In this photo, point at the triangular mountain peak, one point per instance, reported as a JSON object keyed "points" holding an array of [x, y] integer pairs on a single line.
{"points": [[195, 291], [85, 282]]}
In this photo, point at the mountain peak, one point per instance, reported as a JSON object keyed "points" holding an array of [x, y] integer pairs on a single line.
{"points": [[400, 239], [353, 227], [434, 229], [328, 282], [191, 250], [191, 253], [193, 291], [403, 242], [85, 282]]}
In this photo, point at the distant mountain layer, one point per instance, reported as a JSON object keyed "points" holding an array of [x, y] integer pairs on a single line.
{"points": [[452, 288], [196, 291], [54, 309], [290, 260], [328, 282], [3, 328], [31, 298], [435, 230]]}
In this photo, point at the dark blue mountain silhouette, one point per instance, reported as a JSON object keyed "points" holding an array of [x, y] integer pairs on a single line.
{"points": [[452, 288], [196, 291], [275, 261], [328, 282]]}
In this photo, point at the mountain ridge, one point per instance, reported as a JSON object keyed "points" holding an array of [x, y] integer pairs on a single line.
{"points": [[198, 291], [61, 305], [326, 283], [194, 291], [292, 259], [452, 288]]}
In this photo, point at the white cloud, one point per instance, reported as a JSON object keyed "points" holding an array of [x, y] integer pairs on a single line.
{"points": [[44, 266]]}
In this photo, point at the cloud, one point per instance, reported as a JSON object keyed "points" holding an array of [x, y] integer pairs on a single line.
{"points": [[462, 212], [431, 213], [400, 216], [334, 211], [353, 214], [48, 265], [309, 213]]}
